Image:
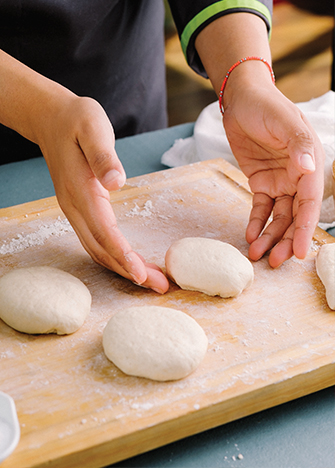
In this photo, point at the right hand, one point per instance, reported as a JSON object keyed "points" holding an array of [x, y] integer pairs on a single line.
{"points": [[77, 141], [78, 145]]}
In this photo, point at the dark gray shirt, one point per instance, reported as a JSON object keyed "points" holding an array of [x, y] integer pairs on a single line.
{"points": [[110, 50]]}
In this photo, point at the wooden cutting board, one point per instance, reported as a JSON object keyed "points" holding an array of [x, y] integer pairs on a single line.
{"points": [[273, 343]]}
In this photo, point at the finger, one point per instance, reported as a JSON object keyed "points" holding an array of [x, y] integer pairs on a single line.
{"points": [[108, 247], [262, 206], [130, 266], [303, 235], [282, 219], [87, 206], [148, 265], [91, 215], [309, 199], [283, 250], [111, 251], [297, 239], [156, 280], [307, 219]]}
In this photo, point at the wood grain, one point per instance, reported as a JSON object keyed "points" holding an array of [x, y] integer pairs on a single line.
{"points": [[273, 343]]}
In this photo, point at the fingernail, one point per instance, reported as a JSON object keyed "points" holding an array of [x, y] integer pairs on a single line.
{"points": [[114, 177], [306, 162], [157, 290], [141, 285]]}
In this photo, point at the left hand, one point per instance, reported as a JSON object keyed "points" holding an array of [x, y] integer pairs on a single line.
{"points": [[281, 155]]}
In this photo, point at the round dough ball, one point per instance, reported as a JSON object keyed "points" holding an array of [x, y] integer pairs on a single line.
{"points": [[158, 343], [325, 268], [209, 266], [43, 300]]}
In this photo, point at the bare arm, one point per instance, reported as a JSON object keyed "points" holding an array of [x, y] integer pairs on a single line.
{"points": [[77, 141]]}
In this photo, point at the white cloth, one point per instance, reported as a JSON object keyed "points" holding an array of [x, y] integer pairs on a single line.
{"points": [[209, 141]]}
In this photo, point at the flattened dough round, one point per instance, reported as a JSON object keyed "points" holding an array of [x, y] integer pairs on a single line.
{"points": [[209, 266], [325, 267], [155, 342], [43, 300]]}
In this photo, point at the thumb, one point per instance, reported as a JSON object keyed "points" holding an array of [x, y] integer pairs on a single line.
{"points": [[97, 142], [301, 150], [108, 169]]}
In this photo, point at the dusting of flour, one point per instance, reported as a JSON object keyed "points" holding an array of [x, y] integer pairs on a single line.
{"points": [[23, 241]]}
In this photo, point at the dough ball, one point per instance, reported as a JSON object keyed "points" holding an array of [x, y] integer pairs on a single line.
{"points": [[209, 266], [158, 343], [325, 267], [43, 300]]}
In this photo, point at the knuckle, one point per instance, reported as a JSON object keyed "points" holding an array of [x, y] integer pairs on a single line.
{"points": [[100, 160], [303, 137], [102, 259]]}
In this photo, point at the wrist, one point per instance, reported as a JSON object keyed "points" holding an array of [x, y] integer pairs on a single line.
{"points": [[51, 105], [28, 100], [247, 73]]}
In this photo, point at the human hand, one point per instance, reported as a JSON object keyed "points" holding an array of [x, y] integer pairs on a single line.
{"points": [[77, 141], [78, 145], [281, 155]]}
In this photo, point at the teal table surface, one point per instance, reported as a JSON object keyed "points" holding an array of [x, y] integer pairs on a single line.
{"points": [[29, 180], [298, 434]]}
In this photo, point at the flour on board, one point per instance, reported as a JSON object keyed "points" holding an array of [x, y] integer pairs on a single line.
{"points": [[144, 212], [23, 241]]}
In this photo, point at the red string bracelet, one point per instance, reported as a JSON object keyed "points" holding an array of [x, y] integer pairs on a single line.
{"points": [[233, 67]]}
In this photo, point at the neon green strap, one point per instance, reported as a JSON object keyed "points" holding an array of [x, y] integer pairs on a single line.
{"points": [[216, 8]]}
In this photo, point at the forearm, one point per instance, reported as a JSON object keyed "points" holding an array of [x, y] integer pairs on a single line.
{"points": [[229, 39], [28, 99]]}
